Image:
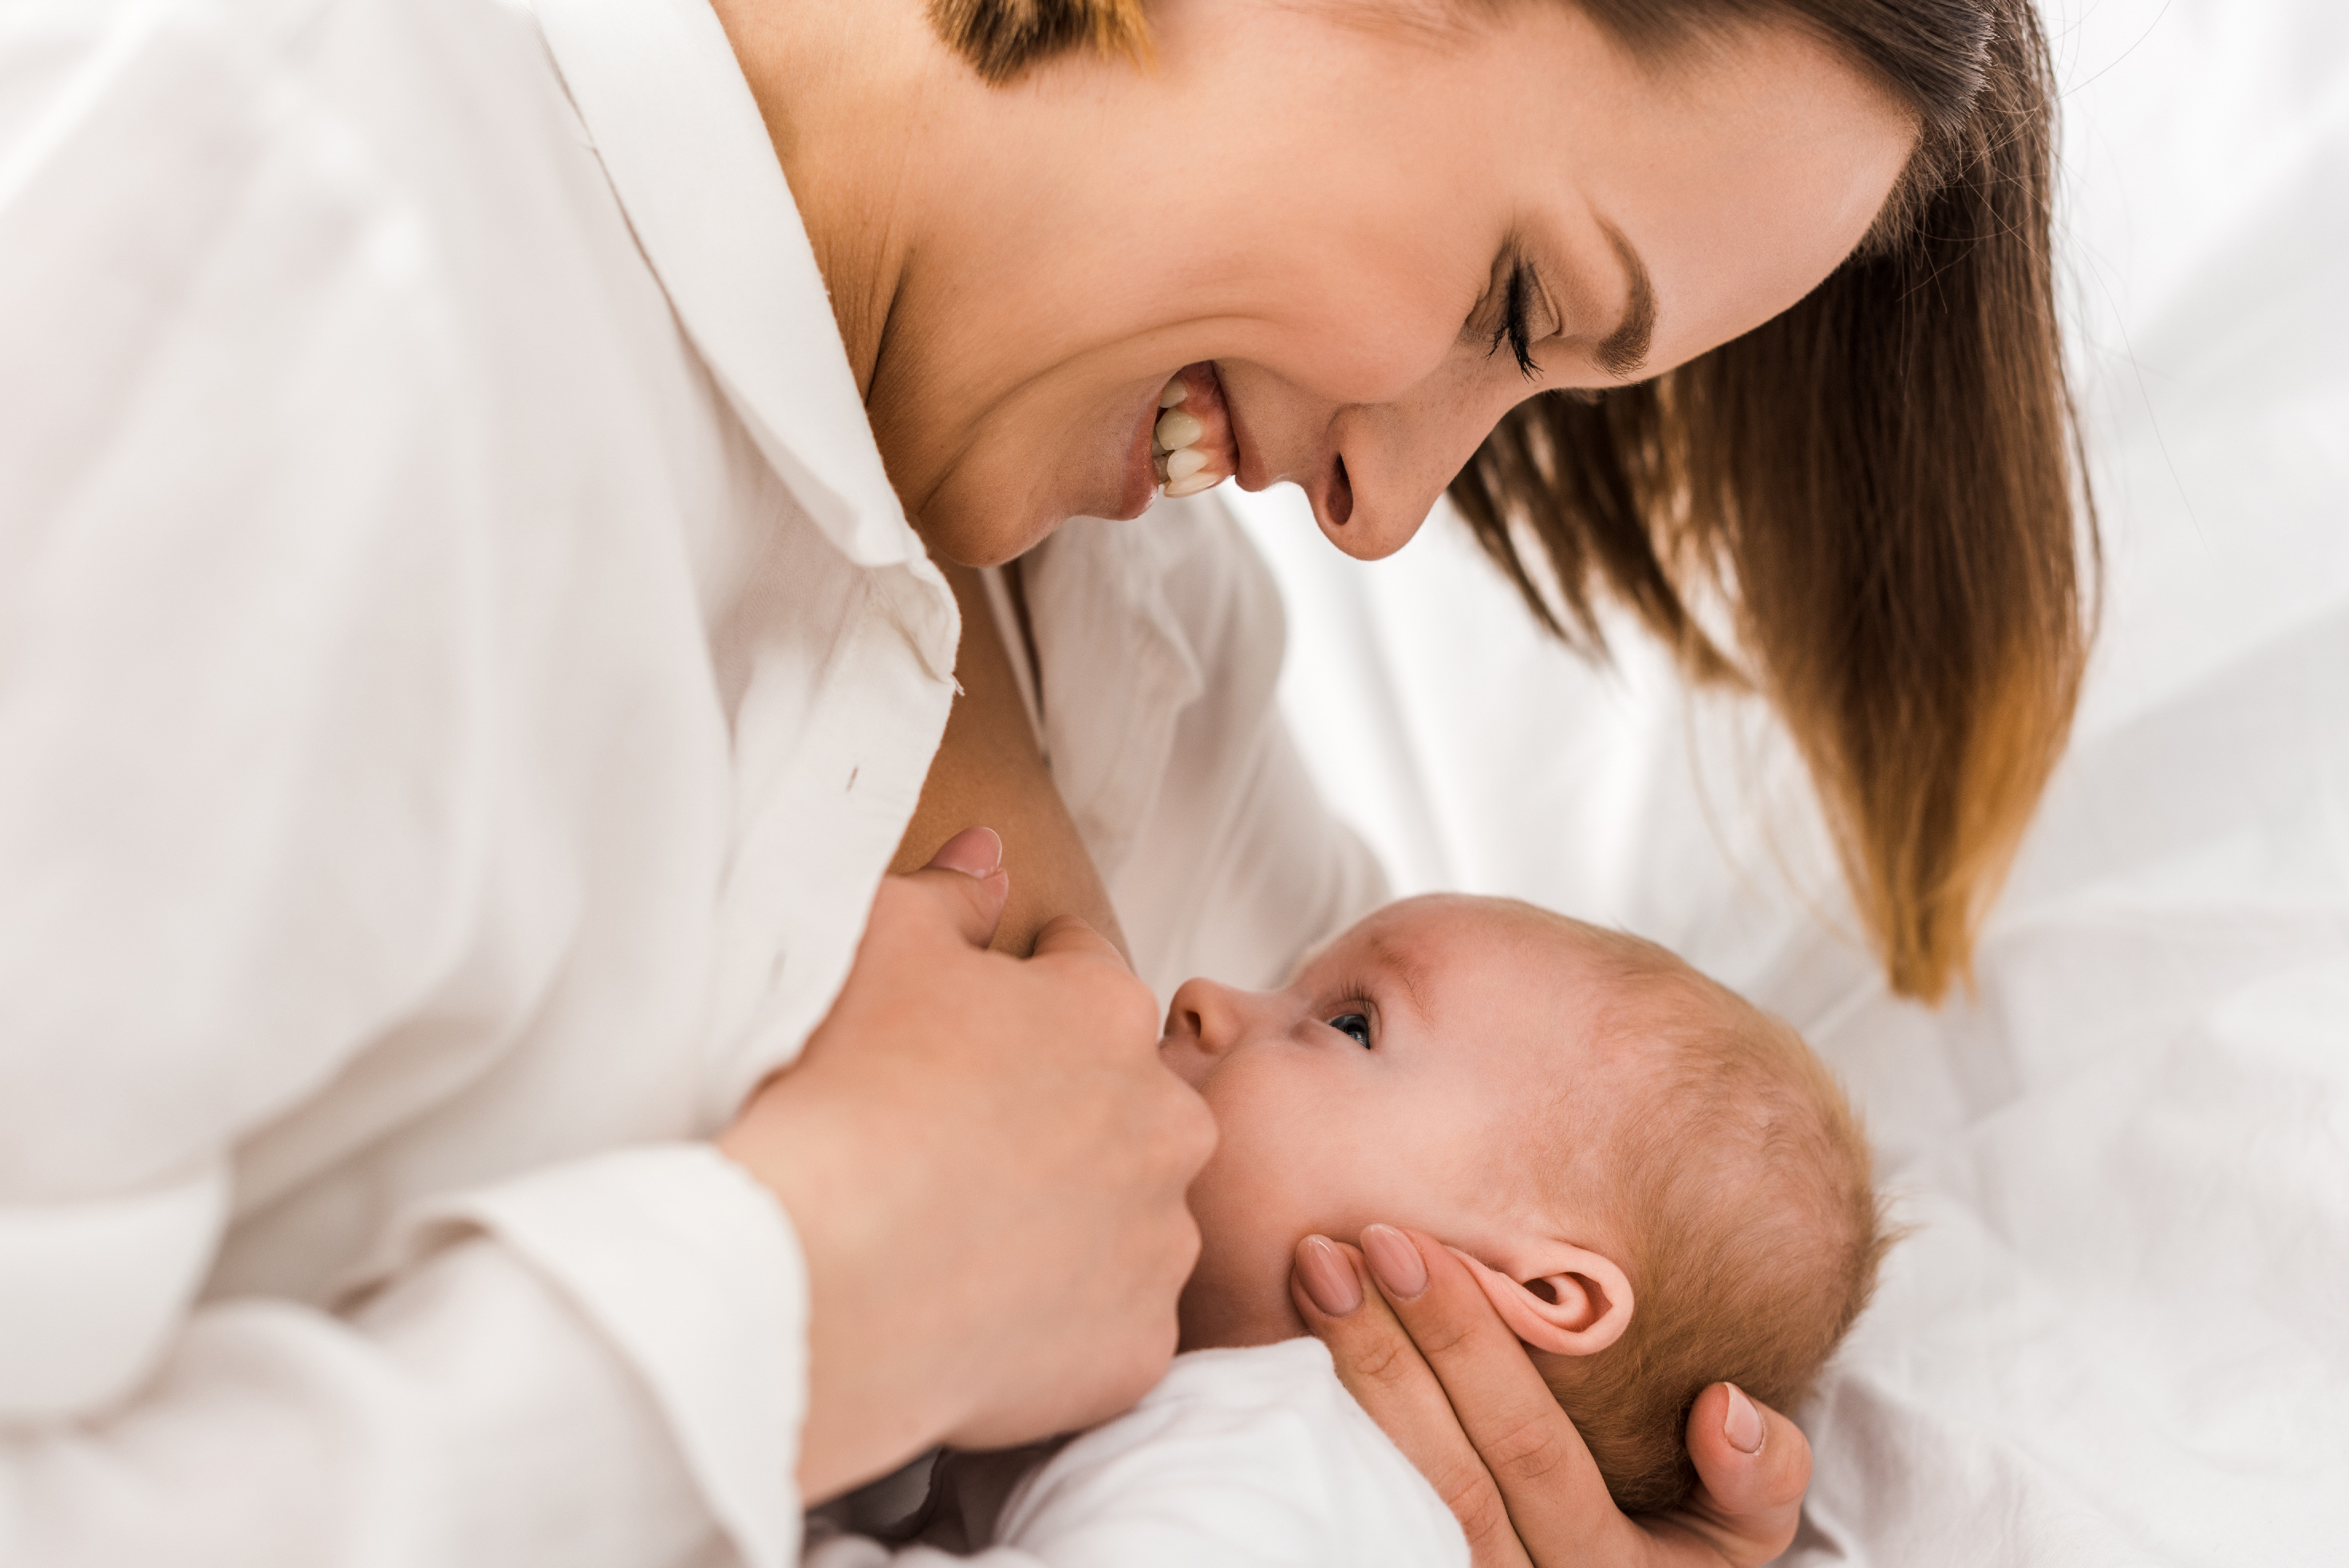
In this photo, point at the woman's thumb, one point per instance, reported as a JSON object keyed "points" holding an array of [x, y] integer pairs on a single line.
{"points": [[974, 852], [975, 898]]}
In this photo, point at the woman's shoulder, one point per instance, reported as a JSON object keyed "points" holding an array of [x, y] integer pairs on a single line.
{"points": [[274, 217]]}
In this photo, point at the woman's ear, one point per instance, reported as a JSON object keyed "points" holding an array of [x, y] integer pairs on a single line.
{"points": [[1578, 1305]]}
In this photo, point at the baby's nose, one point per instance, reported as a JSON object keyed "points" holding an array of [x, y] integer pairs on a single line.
{"points": [[1205, 1012]]}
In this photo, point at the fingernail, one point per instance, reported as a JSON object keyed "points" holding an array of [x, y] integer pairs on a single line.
{"points": [[1329, 1278], [1402, 1272], [1743, 1426], [974, 852]]}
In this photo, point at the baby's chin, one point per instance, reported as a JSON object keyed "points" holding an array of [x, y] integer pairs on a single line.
{"points": [[1220, 1313]]}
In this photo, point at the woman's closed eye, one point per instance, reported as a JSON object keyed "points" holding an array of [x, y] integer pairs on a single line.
{"points": [[1516, 328], [1355, 1026], [1507, 312]]}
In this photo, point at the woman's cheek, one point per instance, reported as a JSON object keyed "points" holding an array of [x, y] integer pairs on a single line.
{"points": [[1338, 364]]}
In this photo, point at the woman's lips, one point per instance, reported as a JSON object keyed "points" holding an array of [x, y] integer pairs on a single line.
{"points": [[1190, 446]]}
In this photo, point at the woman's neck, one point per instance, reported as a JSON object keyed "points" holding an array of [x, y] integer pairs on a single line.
{"points": [[849, 93]]}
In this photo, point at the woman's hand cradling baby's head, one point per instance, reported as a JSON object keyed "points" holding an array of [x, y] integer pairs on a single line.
{"points": [[1444, 1377]]}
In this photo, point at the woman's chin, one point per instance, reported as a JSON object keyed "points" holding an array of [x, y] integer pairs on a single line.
{"points": [[979, 525], [982, 525]]}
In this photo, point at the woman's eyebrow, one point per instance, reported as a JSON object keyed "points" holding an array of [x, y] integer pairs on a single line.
{"points": [[1625, 349]]}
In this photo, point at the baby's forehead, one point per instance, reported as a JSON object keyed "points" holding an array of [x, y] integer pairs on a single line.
{"points": [[1592, 1005], [1434, 921], [1502, 939], [1577, 1030]]}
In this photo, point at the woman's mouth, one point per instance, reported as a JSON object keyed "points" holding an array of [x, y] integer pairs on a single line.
{"points": [[1192, 446]]}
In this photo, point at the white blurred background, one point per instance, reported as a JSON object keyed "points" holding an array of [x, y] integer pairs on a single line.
{"points": [[2120, 1334]]}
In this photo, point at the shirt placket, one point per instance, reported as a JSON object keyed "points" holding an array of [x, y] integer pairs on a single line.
{"points": [[812, 857]]}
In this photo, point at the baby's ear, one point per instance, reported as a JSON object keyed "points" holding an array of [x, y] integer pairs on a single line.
{"points": [[1578, 1305]]}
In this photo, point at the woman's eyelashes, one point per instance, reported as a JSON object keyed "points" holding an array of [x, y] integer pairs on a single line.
{"points": [[1519, 290]]}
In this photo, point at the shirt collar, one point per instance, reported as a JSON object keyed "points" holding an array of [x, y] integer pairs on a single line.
{"points": [[659, 89]]}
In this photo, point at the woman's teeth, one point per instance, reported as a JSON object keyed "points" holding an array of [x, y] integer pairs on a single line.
{"points": [[1181, 466], [1177, 430]]}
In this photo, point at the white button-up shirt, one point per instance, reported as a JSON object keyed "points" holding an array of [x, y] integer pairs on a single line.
{"points": [[463, 671]]}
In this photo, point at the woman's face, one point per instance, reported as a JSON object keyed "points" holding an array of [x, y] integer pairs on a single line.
{"points": [[1330, 213]]}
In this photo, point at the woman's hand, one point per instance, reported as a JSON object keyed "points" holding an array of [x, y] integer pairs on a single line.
{"points": [[985, 1161], [1418, 1343]]}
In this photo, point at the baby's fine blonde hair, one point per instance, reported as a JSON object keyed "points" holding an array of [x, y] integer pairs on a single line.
{"points": [[1748, 1217]]}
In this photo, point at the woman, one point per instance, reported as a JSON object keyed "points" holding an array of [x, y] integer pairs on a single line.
{"points": [[469, 669]]}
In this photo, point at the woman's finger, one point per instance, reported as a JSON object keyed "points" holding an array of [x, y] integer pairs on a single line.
{"points": [[1525, 1441], [1752, 1466], [1383, 1370]]}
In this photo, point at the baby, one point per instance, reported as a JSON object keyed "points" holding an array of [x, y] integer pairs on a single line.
{"points": [[1658, 1185]]}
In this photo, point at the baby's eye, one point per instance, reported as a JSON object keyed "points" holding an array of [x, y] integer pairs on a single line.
{"points": [[1355, 1025]]}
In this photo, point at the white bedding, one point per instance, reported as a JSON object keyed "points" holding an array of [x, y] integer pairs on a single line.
{"points": [[2120, 1333]]}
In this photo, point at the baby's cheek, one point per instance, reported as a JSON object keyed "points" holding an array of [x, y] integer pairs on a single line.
{"points": [[1239, 1281], [1278, 1124], [1266, 1186]]}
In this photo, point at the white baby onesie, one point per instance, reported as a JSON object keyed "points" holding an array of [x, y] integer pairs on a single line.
{"points": [[1239, 1459]]}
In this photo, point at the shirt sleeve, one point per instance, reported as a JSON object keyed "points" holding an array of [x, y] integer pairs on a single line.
{"points": [[594, 1364]]}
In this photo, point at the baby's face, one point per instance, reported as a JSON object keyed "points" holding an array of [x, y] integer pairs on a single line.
{"points": [[1416, 1072]]}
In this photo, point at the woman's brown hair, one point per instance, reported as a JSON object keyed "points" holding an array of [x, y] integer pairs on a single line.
{"points": [[1877, 486], [1003, 37]]}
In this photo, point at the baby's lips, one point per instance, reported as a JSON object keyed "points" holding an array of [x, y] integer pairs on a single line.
{"points": [[1192, 447]]}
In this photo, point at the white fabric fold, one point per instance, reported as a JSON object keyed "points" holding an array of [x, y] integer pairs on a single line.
{"points": [[1162, 642], [1239, 1459], [90, 1290]]}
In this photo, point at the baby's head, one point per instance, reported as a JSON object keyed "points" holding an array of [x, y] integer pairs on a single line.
{"points": [[1658, 1185]]}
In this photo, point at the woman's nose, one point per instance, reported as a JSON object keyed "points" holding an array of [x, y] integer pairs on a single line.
{"points": [[1390, 462], [1214, 1015]]}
